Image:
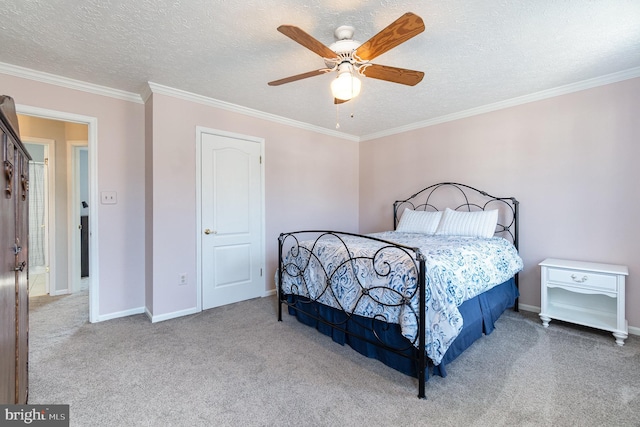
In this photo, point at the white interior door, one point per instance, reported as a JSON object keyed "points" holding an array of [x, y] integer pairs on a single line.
{"points": [[77, 192], [232, 256]]}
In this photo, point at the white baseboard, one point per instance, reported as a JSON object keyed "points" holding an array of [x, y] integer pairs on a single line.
{"points": [[172, 315], [525, 307], [125, 313], [269, 293], [59, 292]]}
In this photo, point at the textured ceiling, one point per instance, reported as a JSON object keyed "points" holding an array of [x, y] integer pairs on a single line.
{"points": [[473, 53]]}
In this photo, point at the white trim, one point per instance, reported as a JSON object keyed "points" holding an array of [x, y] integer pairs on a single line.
{"points": [[118, 314], [58, 292], [146, 93], [36, 140], [45, 113], [537, 96], [263, 195], [526, 307], [73, 213], [199, 131], [141, 98], [51, 207], [40, 76], [200, 99], [632, 329], [168, 316], [92, 137], [269, 293]]}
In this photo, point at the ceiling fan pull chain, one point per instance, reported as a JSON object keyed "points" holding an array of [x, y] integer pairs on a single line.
{"points": [[337, 116]]}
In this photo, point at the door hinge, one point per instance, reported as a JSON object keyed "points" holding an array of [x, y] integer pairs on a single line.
{"points": [[260, 272], [260, 159]]}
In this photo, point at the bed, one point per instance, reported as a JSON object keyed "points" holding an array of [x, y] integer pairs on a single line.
{"points": [[415, 297]]}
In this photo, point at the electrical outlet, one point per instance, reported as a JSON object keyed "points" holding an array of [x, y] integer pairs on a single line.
{"points": [[182, 279], [109, 197]]}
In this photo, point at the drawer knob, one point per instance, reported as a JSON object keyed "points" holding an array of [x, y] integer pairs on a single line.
{"points": [[579, 279]]}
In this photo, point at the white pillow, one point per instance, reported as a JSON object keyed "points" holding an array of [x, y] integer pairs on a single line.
{"points": [[475, 224], [419, 221]]}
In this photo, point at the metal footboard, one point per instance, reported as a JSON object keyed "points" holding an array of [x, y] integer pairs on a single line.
{"points": [[309, 280]]}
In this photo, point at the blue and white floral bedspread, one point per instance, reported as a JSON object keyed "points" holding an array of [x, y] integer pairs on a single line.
{"points": [[457, 269]]}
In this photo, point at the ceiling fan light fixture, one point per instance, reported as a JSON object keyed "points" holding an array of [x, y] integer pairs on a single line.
{"points": [[346, 86], [351, 59]]}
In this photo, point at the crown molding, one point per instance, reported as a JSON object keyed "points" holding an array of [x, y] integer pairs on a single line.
{"points": [[151, 88], [537, 96], [200, 99], [147, 90], [53, 79]]}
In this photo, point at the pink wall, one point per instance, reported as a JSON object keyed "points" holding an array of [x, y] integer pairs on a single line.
{"points": [[311, 181], [121, 169], [572, 162], [148, 238]]}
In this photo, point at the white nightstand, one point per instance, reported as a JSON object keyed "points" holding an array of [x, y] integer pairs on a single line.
{"points": [[584, 293]]}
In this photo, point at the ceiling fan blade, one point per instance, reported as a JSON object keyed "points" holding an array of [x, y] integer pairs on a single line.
{"points": [[399, 31], [393, 74], [299, 77], [340, 101], [299, 36]]}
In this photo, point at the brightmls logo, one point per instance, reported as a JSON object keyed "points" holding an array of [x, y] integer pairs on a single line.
{"points": [[34, 415]]}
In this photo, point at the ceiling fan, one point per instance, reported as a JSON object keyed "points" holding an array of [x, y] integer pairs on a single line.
{"points": [[350, 58]]}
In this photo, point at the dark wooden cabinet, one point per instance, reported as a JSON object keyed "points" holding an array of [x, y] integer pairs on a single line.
{"points": [[14, 258]]}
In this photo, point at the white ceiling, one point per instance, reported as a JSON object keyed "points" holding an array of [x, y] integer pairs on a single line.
{"points": [[473, 53]]}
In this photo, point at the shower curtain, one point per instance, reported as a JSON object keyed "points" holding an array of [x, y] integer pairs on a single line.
{"points": [[37, 214]]}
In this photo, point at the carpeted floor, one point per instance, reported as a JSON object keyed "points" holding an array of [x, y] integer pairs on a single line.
{"points": [[237, 366]]}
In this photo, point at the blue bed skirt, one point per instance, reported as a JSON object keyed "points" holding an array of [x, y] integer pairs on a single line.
{"points": [[479, 315]]}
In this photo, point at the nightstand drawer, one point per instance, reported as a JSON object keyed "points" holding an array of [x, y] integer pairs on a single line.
{"points": [[583, 279]]}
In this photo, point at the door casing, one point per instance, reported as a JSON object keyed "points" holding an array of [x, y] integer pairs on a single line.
{"points": [[73, 210], [92, 125]]}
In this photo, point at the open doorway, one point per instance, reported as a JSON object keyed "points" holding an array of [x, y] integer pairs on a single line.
{"points": [[79, 217], [71, 134], [60, 234], [41, 214]]}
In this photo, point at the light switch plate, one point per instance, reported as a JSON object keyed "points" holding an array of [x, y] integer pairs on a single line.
{"points": [[109, 197]]}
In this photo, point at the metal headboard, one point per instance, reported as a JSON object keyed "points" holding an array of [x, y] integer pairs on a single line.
{"points": [[462, 197]]}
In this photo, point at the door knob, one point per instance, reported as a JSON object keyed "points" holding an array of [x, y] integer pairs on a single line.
{"points": [[208, 231]]}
